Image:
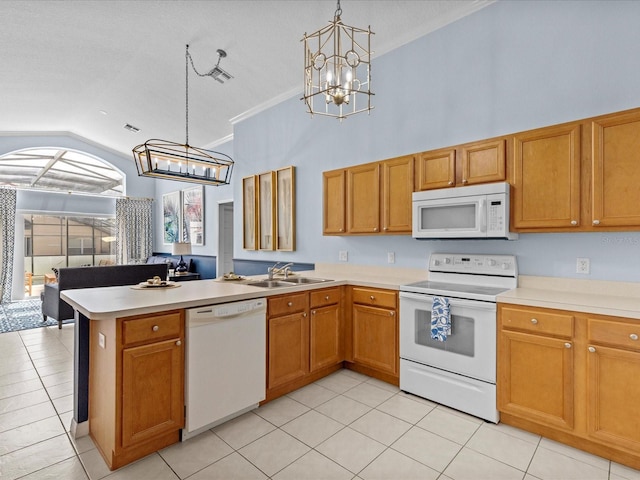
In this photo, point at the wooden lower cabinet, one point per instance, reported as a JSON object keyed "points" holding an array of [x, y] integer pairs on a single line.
{"points": [[136, 385], [375, 333], [572, 377], [613, 382], [304, 338]]}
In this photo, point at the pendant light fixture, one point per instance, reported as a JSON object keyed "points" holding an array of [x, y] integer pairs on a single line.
{"points": [[183, 162], [337, 69]]}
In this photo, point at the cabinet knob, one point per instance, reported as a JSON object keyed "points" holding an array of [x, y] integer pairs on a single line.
{"points": [[290, 304], [633, 336], [304, 315], [326, 297], [574, 222], [386, 228], [534, 321], [179, 342], [375, 229], [567, 345], [155, 328], [340, 230], [592, 349], [313, 312], [596, 222], [464, 180], [450, 183], [372, 297], [392, 313]]}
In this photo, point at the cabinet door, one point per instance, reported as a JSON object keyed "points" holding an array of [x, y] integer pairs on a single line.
{"points": [[535, 378], [436, 169], [326, 348], [397, 190], [333, 202], [363, 199], [375, 338], [483, 162], [614, 389], [152, 390], [288, 350], [616, 171], [547, 178]]}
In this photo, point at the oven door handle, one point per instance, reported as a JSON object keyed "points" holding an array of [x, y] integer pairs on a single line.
{"points": [[453, 302]]}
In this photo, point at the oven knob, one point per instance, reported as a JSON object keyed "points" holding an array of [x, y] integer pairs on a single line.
{"points": [[436, 262], [505, 266], [491, 262], [447, 261]]}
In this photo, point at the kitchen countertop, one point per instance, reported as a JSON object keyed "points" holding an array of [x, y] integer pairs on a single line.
{"points": [[112, 302], [619, 299]]}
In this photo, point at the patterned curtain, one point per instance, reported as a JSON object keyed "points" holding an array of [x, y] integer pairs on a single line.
{"points": [[134, 230], [8, 199]]}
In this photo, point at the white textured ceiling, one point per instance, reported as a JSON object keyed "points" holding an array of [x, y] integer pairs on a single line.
{"points": [[62, 62]]}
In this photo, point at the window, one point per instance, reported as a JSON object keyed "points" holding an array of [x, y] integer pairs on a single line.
{"points": [[60, 170], [60, 241]]}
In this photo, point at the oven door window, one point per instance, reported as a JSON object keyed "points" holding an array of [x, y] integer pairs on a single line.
{"points": [[461, 340]]}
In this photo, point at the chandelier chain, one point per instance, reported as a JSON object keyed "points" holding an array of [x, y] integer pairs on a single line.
{"points": [[338, 10], [186, 95]]}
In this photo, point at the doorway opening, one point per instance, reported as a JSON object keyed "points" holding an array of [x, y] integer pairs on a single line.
{"points": [[225, 238]]}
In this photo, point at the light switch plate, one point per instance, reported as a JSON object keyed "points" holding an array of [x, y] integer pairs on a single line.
{"points": [[343, 256], [391, 257], [102, 340]]}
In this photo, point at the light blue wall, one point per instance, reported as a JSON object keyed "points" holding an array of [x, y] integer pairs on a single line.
{"points": [[509, 67]]}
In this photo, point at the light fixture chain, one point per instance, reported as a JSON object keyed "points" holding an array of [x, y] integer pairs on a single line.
{"points": [[338, 10], [186, 94]]}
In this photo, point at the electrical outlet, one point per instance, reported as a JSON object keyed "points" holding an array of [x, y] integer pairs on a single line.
{"points": [[583, 265], [391, 257], [343, 256], [102, 340]]}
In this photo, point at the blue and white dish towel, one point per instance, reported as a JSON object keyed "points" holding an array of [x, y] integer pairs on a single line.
{"points": [[440, 319]]}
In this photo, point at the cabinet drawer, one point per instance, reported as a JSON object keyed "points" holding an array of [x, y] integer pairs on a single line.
{"points": [[286, 304], [375, 297], [620, 334], [150, 329], [326, 296], [537, 321]]}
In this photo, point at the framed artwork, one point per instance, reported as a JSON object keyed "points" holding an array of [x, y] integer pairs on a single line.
{"points": [[193, 215], [285, 209], [249, 209], [266, 211], [171, 217]]}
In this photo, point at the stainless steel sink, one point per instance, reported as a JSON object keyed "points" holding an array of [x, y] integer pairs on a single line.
{"points": [[305, 280], [269, 284]]}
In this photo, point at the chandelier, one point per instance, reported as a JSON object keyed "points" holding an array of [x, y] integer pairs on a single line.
{"points": [[183, 162], [337, 69]]}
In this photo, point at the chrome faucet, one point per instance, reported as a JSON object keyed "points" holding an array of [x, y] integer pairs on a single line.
{"points": [[275, 269]]}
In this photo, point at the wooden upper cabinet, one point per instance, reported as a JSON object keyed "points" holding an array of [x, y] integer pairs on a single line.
{"points": [[397, 190], [363, 198], [616, 170], [334, 200], [483, 162], [547, 178], [436, 169]]}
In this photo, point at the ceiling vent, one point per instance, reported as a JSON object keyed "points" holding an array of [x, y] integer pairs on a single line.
{"points": [[131, 128]]}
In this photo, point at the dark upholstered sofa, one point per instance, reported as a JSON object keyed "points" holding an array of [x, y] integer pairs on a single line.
{"points": [[89, 277]]}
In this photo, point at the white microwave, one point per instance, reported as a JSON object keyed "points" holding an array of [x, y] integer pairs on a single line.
{"points": [[478, 211]]}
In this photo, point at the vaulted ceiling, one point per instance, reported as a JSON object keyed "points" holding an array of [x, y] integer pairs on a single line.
{"points": [[90, 67]]}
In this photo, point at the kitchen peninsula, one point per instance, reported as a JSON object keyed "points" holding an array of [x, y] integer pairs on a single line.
{"points": [[118, 326]]}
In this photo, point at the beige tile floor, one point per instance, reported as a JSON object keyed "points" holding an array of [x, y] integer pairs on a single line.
{"points": [[346, 426]]}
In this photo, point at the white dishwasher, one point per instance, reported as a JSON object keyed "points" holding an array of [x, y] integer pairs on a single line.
{"points": [[225, 363]]}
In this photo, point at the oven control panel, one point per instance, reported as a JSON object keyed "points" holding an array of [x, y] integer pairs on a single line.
{"points": [[498, 265]]}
